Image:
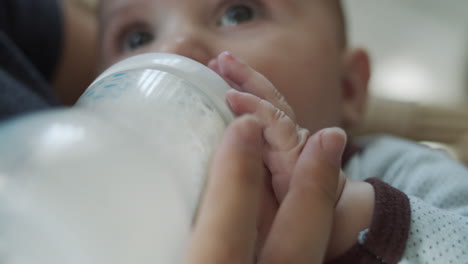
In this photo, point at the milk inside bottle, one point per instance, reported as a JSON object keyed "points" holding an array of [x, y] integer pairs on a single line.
{"points": [[117, 177]]}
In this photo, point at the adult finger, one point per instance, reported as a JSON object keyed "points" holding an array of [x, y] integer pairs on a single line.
{"points": [[225, 230], [302, 227]]}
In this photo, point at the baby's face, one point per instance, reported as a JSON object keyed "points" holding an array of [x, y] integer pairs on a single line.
{"points": [[294, 43]]}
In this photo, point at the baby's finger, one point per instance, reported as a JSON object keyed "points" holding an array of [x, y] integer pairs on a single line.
{"points": [[250, 81], [280, 131], [214, 65], [225, 230], [305, 217]]}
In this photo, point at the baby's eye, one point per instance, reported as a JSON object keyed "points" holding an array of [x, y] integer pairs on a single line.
{"points": [[137, 39], [238, 14]]}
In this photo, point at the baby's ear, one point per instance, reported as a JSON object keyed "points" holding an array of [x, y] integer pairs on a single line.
{"points": [[354, 84]]}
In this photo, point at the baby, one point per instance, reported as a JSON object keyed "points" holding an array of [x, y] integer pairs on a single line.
{"points": [[298, 49]]}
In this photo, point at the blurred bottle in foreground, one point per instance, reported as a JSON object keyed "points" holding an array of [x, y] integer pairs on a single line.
{"points": [[116, 178]]}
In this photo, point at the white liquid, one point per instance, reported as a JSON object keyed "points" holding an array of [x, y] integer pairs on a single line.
{"points": [[112, 182]]}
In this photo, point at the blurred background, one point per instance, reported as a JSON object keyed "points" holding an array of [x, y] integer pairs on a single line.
{"points": [[419, 48]]}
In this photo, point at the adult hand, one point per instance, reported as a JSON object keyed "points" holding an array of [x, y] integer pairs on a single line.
{"points": [[226, 227]]}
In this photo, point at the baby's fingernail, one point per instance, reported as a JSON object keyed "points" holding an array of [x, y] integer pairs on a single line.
{"points": [[229, 56], [229, 98], [333, 142], [233, 91], [212, 63]]}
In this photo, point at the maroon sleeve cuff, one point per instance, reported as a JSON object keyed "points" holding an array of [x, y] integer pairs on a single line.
{"points": [[385, 240]]}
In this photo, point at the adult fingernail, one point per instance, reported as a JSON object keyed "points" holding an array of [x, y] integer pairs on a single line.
{"points": [[333, 142]]}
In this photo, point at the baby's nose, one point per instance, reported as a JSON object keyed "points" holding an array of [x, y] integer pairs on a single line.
{"points": [[193, 47]]}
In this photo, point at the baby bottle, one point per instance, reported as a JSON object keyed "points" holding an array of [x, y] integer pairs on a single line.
{"points": [[116, 178]]}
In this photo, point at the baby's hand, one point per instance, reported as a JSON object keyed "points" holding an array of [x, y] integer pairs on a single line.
{"points": [[254, 94], [285, 141]]}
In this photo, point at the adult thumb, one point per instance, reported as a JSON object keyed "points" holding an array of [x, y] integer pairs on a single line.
{"points": [[305, 216]]}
